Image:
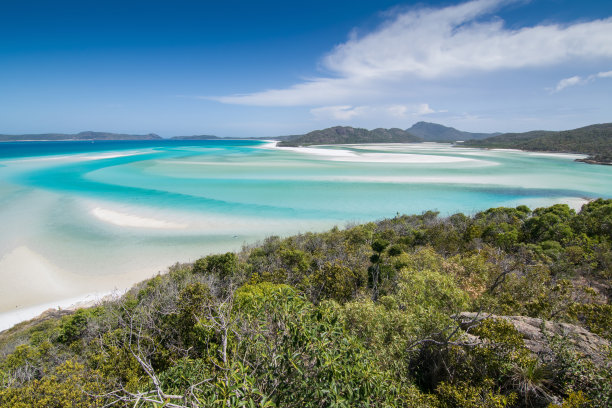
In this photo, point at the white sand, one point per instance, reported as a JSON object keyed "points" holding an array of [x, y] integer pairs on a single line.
{"points": [[109, 155], [317, 151], [77, 157], [9, 319], [270, 144], [358, 157], [569, 156], [575, 203], [33, 284], [402, 158], [30, 279], [202, 223], [393, 147], [129, 220], [197, 222], [24, 271]]}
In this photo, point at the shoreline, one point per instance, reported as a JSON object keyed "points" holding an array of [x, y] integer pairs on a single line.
{"points": [[8, 320], [11, 319], [588, 159]]}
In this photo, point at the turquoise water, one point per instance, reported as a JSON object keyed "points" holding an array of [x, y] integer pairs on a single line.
{"points": [[109, 213]]}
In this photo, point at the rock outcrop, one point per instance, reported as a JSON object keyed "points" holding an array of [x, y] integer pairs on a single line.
{"points": [[536, 332]]}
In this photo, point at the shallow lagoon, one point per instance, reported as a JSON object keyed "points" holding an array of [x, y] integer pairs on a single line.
{"points": [[83, 219]]}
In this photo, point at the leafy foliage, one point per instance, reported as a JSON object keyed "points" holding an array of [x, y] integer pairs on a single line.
{"points": [[365, 316]]}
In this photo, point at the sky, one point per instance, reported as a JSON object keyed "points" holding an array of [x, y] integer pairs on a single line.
{"points": [[267, 68]]}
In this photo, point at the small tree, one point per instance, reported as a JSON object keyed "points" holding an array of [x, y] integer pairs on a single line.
{"points": [[378, 246]]}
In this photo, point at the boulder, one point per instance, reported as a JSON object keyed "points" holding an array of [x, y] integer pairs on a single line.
{"points": [[536, 332]]}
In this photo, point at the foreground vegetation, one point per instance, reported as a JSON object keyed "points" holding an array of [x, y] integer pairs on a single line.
{"points": [[594, 140], [372, 315]]}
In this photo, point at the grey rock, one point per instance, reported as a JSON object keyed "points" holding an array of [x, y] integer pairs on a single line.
{"points": [[536, 332]]}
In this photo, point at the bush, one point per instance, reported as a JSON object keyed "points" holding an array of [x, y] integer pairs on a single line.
{"points": [[222, 266]]}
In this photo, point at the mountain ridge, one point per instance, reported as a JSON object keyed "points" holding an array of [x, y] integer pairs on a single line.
{"points": [[593, 140], [434, 132]]}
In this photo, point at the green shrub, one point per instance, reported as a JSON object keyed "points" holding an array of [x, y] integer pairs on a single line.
{"points": [[467, 396]]}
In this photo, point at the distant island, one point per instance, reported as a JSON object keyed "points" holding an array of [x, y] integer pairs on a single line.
{"points": [[419, 132], [350, 135], [88, 135], [594, 140]]}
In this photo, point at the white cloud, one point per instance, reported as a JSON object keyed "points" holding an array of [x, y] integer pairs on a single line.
{"points": [[578, 80], [424, 109], [434, 43], [343, 112], [398, 111], [607, 74], [312, 92], [429, 44], [564, 83], [348, 112]]}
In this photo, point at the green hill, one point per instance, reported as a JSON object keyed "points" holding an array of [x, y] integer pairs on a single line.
{"points": [[433, 132], [350, 135], [594, 140]]}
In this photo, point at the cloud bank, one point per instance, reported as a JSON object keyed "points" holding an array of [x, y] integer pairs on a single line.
{"points": [[578, 80], [426, 44]]}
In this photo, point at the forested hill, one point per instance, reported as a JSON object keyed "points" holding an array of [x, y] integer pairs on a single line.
{"points": [[350, 135], [594, 140], [433, 132], [88, 135], [510, 307]]}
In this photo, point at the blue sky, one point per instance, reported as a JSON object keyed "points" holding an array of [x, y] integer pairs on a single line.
{"points": [[244, 68]]}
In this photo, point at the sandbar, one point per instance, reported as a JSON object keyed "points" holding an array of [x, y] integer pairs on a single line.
{"points": [[352, 156], [129, 220]]}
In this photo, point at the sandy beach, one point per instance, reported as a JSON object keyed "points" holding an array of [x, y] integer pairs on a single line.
{"points": [[32, 284]]}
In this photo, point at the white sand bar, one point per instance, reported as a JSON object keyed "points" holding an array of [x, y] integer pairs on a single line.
{"points": [[129, 220], [358, 157]]}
